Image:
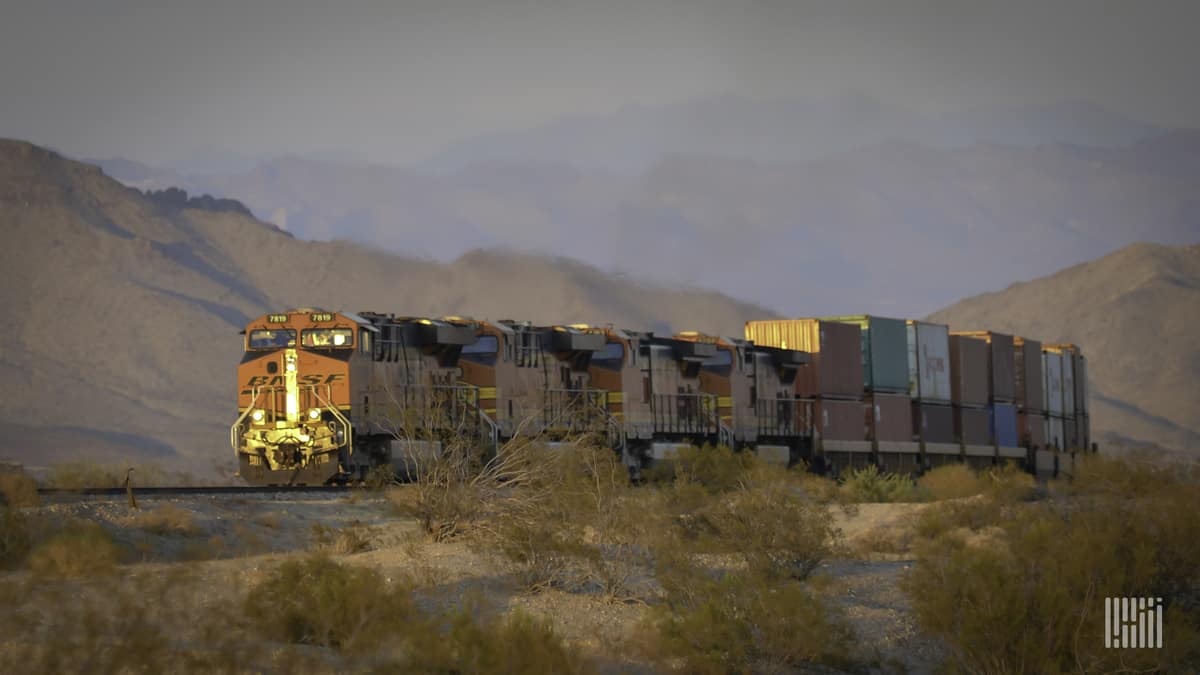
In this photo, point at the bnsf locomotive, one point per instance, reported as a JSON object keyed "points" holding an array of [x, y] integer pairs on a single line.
{"points": [[328, 396]]}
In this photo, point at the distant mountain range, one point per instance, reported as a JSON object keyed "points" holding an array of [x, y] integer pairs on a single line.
{"points": [[124, 309], [894, 227], [1136, 315]]}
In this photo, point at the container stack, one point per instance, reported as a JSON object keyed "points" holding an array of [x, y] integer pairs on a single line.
{"points": [[1030, 395], [1076, 431], [888, 405], [1052, 367], [929, 388], [832, 380], [969, 393], [1001, 384]]}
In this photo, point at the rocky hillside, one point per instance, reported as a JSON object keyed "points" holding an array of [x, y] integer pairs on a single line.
{"points": [[1136, 314], [123, 310]]}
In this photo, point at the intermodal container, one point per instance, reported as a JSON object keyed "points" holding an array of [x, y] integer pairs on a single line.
{"points": [[1081, 385], [839, 420], [835, 370], [968, 371], [1068, 383], [929, 362], [1030, 389], [1031, 429], [890, 417], [1055, 432], [884, 352], [1052, 382], [972, 426], [1004, 425], [933, 422], [1001, 364]]}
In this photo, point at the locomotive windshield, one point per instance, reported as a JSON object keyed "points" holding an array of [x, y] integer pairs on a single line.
{"points": [[327, 338], [274, 338], [482, 350]]}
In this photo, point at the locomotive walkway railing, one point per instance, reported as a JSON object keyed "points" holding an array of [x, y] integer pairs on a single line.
{"points": [[685, 414]]}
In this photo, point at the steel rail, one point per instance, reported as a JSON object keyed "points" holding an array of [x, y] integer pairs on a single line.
{"points": [[196, 490]]}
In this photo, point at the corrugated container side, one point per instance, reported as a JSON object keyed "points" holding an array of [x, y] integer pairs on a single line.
{"points": [[932, 422], [1001, 365], [968, 371], [1068, 383], [1031, 429], [841, 420], [884, 351], [1052, 382], [1030, 388], [972, 426], [929, 361], [1004, 425], [1081, 384], [890, 416], [1054, 432]]}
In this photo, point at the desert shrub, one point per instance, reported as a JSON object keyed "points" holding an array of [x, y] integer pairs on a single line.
{"points": [[15, 537], [79, 549], [1026, 595], [869, 485], [951, 481], [476, 643], [1010, 483], [76, 475], [1135, 476], [18, 488], [317, 601], [740, 622], [167, 519], [340, 541], [714, 469], [971, 514]]}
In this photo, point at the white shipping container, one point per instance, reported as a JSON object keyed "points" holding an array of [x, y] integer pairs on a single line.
{"points": [[1054, 432], [1068, 376], [929, 361], [1052, 371]]}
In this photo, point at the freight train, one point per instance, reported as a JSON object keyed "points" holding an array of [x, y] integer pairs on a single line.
{"points": [[329, 396]]}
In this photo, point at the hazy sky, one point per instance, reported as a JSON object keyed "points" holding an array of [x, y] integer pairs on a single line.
{"points": [[394, 82]]}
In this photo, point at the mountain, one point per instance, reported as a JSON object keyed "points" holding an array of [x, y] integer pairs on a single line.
{"points": [[632, 139], [1136, 315], [891, 228], [124, 308]]}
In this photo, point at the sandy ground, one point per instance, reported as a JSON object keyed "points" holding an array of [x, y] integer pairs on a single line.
{"points": [[240, 538]]}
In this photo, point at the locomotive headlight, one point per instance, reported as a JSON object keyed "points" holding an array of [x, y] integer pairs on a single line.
{"points": [[314, 414], [289, 363], [257, 415]]}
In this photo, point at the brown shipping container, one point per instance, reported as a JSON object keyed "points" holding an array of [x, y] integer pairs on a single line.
{"points": [[1002, 367], [934, 422], [1029, 391], [968, 371], [1031, 429], [971, 426], [836, 369], [890, 416], [841, 420]]}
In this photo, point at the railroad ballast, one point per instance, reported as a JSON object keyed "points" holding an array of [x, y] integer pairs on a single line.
{"points": [[328, 396]]}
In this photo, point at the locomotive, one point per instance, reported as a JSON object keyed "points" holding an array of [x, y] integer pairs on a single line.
{"points": [[325, 397]]}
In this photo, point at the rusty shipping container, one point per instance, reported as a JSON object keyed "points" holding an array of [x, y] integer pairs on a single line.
{"points": [[972, 426], [933, 422], [968, 371], [884, 352], [1052, 381], [890, 417], [1030, 389], [835, 370], [1001, 364], [929, 362], [1031, 429], [841, 420]]}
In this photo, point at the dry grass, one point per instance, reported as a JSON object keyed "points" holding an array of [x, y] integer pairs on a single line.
{"points": [[166, 520], [78, 550], [18, 488], [952, 481]]}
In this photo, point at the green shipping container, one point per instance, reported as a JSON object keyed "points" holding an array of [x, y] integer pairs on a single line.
{"points": [[884, 352]]}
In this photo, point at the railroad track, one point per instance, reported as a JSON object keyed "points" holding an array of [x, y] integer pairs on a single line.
{"points": [[197, 490]]}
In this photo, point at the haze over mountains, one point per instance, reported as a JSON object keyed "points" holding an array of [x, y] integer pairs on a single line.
{"points": [[809, 206], [123, 310]]}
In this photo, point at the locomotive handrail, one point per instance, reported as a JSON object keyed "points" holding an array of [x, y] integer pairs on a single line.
{"points": [[234, 436], [336, 413]]}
